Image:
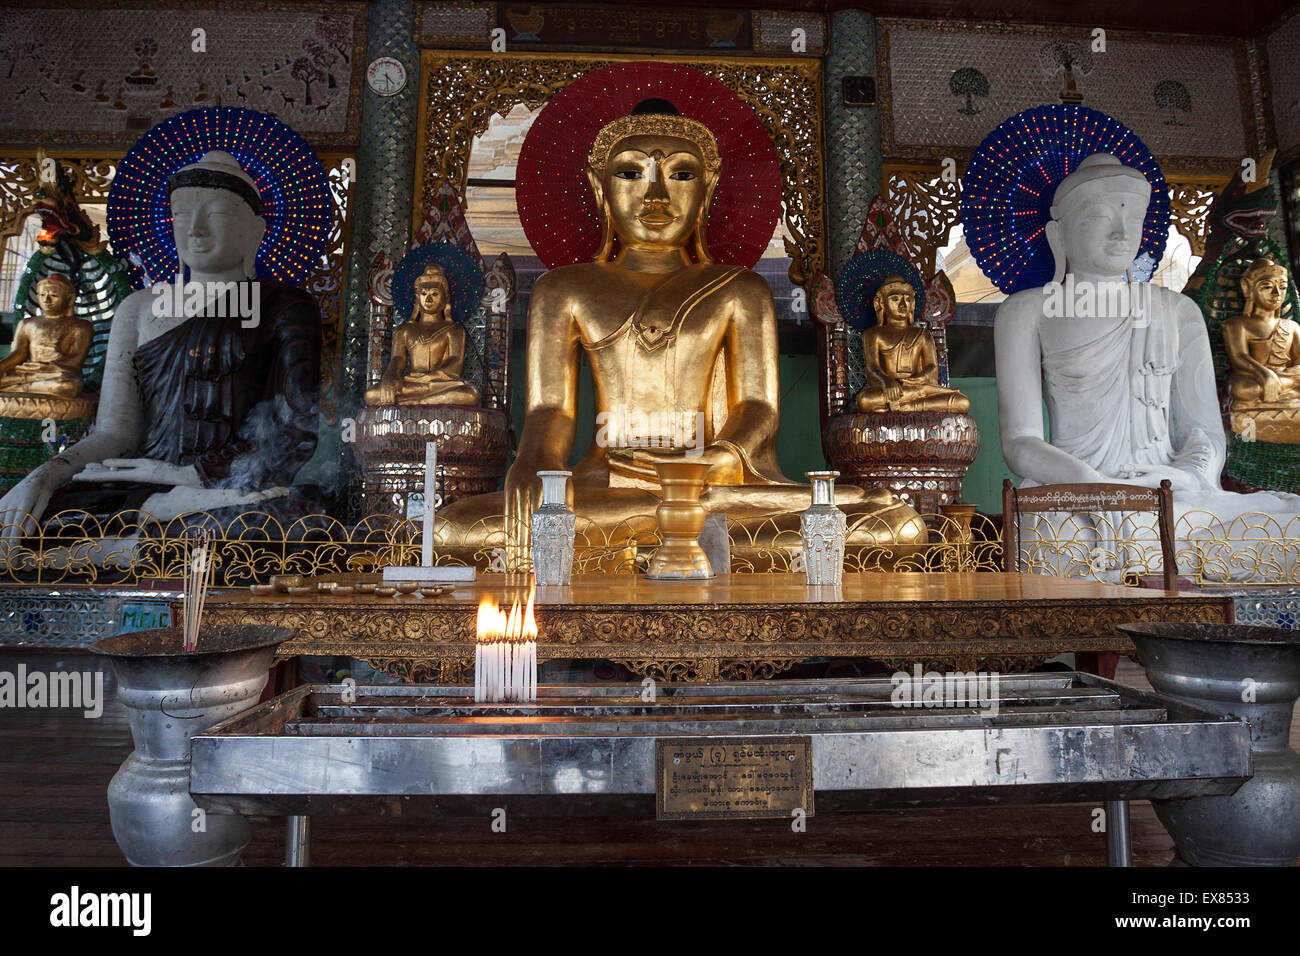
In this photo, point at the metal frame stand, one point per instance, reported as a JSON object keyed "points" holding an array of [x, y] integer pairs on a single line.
{"points": [[297, 841], [1119, 840]]}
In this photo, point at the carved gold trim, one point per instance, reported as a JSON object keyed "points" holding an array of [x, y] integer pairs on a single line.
{"points": [[925, 208], [710, 642], [460, 92], [1189, 206], [91, 172], [326, 282]]}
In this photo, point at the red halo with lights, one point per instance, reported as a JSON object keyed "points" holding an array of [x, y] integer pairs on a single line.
{"points": [[556, 207]]}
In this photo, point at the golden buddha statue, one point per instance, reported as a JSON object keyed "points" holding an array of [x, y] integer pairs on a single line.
{"points": [[48, 349], [901, 363], [1264, 352], [428, 352], [672, 338]]}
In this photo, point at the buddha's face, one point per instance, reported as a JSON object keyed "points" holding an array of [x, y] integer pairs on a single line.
{"points": [[655, 187], [54, 297], [1268, 290], [215, 230], [431, 297], [895, 304], [1101, 228]]}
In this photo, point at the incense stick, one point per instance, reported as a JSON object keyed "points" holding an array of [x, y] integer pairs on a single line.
{"points": [[196, 570]]}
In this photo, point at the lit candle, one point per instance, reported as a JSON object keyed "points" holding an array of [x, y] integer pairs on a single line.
{"points": [[430, 486], [530, 652]]}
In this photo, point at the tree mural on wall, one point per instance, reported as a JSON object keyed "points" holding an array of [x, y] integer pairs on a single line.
{"points": [[970, 82], [307, 72], [1173, 96], [1069, 58]]}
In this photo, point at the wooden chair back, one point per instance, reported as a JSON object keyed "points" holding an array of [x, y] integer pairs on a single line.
{"points": [[1093, 498]]}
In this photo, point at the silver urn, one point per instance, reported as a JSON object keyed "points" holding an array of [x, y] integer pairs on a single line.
{"points": [[1239, 671], [170, 696], [822, 527], [553, 526]]}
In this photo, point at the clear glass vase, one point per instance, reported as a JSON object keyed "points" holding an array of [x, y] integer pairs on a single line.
{"points": [[822, 528], [553, 526]]}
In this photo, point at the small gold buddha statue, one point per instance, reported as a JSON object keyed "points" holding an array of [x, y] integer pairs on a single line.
{"points": [[1264, 352], [48, 349], [671, 337], [428, 352], [901, 363]]}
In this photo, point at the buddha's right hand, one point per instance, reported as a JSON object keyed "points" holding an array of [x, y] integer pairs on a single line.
{"points": [[20, 510], [1271, 387], [523, 495]]}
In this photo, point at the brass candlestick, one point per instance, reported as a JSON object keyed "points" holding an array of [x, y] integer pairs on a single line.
{"points": [[681, 519]]}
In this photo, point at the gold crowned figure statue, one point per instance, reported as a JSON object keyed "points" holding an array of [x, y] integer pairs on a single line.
{"points": [[683, 355], [1264, 352], [901, 363], [48, 349], [428, 352]]}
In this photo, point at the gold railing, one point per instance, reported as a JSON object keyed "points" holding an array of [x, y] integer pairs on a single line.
{"points": [[133, 548], [1252, 548]]}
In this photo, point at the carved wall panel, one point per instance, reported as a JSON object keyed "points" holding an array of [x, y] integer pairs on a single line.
{"points": [[99, 74], [945, 85]]}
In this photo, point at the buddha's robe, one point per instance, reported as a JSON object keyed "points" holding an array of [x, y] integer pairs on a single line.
{"points": [[1123, 397], [240, 404]]}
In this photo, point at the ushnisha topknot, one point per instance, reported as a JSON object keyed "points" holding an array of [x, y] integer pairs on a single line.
{"points": [[217, 169], [1095, 167], [654, 124]]}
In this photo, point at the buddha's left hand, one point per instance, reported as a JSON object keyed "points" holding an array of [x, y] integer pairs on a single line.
{"points": [[1150, 476], [726, 470], [145, 470], [184, 500]]}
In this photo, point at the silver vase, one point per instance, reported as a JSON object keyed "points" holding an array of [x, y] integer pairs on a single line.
{"points": [[553, 527], [170, 696], [1240, 671], [822, 529]]}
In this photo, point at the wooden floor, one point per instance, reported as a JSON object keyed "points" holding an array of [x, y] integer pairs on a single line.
{"points": [[55, 767]]}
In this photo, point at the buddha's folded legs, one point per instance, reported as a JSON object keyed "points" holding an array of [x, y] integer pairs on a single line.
{"points": [[919, 399], [759, 516]]}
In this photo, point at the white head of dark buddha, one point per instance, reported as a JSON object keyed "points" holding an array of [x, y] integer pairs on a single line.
{"points": [[216, 218]]}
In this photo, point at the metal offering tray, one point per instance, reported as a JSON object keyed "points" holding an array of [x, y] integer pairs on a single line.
{"points": [[716, 751]]}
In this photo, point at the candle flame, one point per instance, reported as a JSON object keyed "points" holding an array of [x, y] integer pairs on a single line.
{"points": [[495, 623], [488, 627], [530, 622]]}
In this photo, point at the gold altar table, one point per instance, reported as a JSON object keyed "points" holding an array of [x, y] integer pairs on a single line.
{"points": [[733, 627]]}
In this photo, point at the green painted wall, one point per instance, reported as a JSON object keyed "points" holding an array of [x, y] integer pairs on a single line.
{"points": [[983, 484]]}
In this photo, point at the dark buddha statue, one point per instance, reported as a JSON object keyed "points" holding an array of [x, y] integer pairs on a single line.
{"points": [[203, 407]]}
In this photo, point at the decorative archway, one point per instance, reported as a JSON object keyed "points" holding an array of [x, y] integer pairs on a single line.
{"points": [[461, 91]]}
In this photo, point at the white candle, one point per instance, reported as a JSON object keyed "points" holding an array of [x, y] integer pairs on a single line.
{"points": [[478, 671], [430, 484]]}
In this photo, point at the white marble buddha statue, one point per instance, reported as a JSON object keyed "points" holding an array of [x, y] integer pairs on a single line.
{"points": [[1127, 377]]}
